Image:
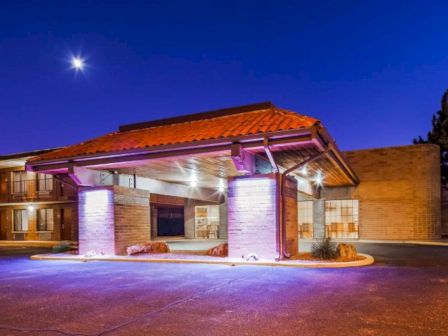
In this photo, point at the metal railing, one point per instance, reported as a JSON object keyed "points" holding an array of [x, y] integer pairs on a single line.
{"points": [[34, 190]]}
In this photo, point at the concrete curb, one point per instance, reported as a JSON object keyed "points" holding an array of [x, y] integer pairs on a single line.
{"points": [[368, 260], [412, 242]]}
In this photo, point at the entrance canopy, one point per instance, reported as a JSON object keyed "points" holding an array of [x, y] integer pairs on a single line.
{"points": [[205, 149]]}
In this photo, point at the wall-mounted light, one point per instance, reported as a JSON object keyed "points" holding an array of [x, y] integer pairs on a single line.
{"points": [[30, 208]]}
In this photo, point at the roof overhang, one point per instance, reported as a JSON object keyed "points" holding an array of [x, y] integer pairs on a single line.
{"points": [[315, 138]]}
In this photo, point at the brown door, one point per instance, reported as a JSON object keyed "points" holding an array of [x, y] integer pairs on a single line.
{"points": [[66, 223], [3, 225]]}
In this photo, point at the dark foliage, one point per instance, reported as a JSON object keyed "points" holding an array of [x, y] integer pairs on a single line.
{"points": [[324, 249], [439, 135], [62, 247]]}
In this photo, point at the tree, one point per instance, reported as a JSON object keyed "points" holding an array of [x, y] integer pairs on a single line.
{"points": [[439, 135]]}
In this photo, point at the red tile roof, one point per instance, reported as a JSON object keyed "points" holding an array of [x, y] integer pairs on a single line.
{"points": [[215, 126]]}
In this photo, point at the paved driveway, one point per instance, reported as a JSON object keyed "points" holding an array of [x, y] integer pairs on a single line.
{"points": [[405, 293]]}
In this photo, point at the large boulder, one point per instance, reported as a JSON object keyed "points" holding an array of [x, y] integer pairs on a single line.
{"points": [[149, 247], [347, 251], [222, 250]]}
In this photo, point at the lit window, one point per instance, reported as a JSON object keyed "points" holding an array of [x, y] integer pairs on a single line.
{"points": [[21, 220], [45, 220], [341, 218], [44, 182], [206, 218], [305, 219], [19, 182]]}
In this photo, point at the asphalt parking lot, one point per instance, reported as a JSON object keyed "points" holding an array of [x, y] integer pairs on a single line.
{"points": [[404, 293]]}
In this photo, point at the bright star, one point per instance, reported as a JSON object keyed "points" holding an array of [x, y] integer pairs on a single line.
{"points": [[78, 63]]}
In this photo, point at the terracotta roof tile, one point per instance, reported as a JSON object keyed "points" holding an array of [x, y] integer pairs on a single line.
{"points": [[233, 125]]}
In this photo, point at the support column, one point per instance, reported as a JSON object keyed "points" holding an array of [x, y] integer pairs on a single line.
{"points": [[112, 218], [252, 216]]}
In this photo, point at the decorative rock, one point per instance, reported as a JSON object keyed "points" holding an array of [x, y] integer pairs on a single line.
{"points": [[148, 247], [135, 249], [347, 251], [222, 250], [156, 247]]}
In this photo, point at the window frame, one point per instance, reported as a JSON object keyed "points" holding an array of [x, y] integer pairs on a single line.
{"points": [[21, 182], [344, 234], [310, 217], [14, 222], [47, 180], [46, 222]]}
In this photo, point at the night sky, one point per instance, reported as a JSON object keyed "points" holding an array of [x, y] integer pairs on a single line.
{"points": [[372, 71]]}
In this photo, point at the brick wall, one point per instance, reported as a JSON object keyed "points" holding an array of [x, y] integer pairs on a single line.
{"points": [[399, 192], [7, 222], [112, 218], [251, 210], [132, 217]]}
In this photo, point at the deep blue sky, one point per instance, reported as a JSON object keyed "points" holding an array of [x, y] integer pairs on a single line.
{"points": [[372, 71]]}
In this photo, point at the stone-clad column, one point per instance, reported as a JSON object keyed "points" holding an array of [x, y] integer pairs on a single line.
{"points": [[252, 213], [96, 220]]}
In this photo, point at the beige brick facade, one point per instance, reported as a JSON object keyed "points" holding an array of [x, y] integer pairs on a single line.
{"points": [[399, 192]]}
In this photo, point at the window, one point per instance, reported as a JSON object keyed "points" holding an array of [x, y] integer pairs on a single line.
{"points": [[21, 220], [206, 218], [19, 182], [44, 182], [341, 218], [45, 220], [305, 219]]}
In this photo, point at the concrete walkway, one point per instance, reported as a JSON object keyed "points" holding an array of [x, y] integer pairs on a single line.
{"points": [[204, 259]]}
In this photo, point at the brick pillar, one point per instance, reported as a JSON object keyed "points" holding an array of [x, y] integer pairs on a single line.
{"points": [[96, 220], [112, 218], [252, 211]]}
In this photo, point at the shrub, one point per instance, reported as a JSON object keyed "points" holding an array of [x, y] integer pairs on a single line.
{"points": [[324, 249], [62, 247]]}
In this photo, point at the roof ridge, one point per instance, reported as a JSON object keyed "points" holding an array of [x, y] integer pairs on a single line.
{"points": [[198, 116], [193, 121]]}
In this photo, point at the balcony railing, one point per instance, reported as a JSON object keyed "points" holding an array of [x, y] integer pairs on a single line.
{"points": [[34, 190]]}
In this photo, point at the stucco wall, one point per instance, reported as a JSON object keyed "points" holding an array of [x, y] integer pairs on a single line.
{"points": [[399, 192]]}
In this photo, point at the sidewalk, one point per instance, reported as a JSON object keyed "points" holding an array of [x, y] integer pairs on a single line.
{"points": [[28, 243]]}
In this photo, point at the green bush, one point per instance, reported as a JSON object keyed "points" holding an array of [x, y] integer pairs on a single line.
{"points": [[324, 249], [62, 247]]}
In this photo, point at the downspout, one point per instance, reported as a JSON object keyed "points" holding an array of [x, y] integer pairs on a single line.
{"points": [[282, 209]]}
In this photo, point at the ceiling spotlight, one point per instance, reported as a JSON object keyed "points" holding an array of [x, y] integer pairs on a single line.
{"points": [[193, 182], [221, 186], [318, 178], [78, 63]]}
